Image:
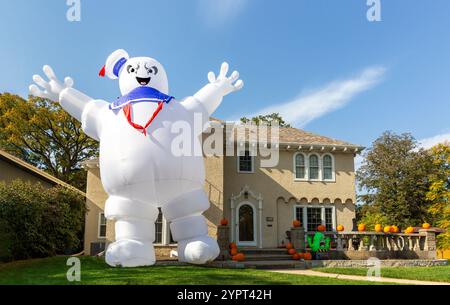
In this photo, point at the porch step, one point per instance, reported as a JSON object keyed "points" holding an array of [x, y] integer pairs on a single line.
{"points": [[267, 257], [256, 251]]}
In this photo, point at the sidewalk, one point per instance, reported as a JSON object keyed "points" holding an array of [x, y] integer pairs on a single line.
{"points": [[358, 278]]}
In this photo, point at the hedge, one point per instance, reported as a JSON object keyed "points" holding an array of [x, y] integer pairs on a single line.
{"points": [[38, 222]]}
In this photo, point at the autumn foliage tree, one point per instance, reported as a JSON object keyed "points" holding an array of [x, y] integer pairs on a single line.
{"points": [[267, 119], [40, 132], [395, 178], [439, 192]]}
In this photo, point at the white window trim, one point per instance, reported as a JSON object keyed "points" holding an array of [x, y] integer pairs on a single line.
{"points": [[100, 224], [255, 219], [165, 234], [322, 207], [333, 172], [305, 178], [320, 156], [252, 160]]}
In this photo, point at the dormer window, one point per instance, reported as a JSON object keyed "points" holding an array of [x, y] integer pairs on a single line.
{"points": [[245, 163], [300, 166], [328, 168]]}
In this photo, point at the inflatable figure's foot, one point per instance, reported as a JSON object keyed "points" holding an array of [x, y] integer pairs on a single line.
{"points": [[199, 250], [130, 253]]}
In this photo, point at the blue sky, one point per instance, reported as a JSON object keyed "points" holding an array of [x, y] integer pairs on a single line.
{"points": [[320, 63]]}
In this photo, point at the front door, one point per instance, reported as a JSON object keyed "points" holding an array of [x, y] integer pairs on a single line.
{"points": [[246, 225]]}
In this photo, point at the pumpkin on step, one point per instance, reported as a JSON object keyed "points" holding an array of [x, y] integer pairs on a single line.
{"points": [[378, 228], [426, 226], [292, 251], [224, 222], [361, 227], [233, 246], [409, 230], [296, 223], [233, 251], [240, 257], [321, 228], [307, 256], [289, 246], [295, 257]]}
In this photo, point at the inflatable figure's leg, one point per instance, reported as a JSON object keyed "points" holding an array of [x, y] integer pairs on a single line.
{"points": [[189, 227], [135, 232]]}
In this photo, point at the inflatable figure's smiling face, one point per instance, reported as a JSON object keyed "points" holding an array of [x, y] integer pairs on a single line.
{"points": [[143, 71]]}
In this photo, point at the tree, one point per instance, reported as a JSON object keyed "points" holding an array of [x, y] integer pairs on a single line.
{"points": [[395, 175], [42, 133], [439, 192], [268, 119]]}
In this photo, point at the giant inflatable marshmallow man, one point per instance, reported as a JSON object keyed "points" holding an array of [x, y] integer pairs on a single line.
{"points": [[138, 169]]}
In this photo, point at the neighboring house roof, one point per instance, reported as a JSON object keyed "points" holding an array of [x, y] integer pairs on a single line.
{"points": [[36, 171]]}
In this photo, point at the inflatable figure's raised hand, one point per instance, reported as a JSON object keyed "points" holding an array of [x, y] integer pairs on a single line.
{"points": [[49, 89], [226, 84]]}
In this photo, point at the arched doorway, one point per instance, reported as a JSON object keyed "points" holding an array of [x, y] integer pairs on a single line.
{"points": [[246, 224]]}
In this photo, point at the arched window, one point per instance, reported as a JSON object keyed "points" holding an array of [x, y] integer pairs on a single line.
{"points": [[300, 166], [313, 167], [327, 167]]}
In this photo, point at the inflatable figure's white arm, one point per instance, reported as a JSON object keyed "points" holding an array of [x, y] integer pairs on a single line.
{"points": [[82, 107], [209, 98]]}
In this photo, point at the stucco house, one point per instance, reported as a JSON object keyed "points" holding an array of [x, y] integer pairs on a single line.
{"points": [[314, 181]]}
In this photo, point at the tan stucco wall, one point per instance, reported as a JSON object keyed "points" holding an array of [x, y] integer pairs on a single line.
{"points": [[10, 172], [280, 192]]}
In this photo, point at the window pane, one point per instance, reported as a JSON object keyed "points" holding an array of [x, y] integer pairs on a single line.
{"points": [[159, 228], [329, 219], [299, 214], [245, 162], [313, 167], [246, 232], [102, 219], [314, 217], [327, 162], [299, 166], [102, 232], [327, 173]]}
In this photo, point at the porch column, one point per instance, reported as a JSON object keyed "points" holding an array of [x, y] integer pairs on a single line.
{"points": [[260, 209]]}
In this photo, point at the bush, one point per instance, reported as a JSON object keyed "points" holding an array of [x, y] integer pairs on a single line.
{"points": [[38, 222]]}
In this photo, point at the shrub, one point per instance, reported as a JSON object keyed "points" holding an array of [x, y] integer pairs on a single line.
{"points": [[38, 222]]}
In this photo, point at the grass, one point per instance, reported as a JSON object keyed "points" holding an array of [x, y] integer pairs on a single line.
{"points": [[437, 274], [94, 271]]}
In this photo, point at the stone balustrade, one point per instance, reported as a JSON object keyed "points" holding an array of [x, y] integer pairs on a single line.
{"points": [[363, 245]]}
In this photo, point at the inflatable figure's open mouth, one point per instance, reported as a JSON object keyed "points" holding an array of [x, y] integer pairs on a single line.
{"points": [[143, 81]]}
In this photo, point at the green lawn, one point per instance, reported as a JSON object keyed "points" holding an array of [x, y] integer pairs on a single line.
{"points": [[94, 271], [437, 274]]}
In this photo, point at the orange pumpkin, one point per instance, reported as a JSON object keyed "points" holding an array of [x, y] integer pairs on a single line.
{"points": [[233, 251], [292, 251], [378, 228], [394, 229], [289, 246], [233, 246], [409, 230], [224, 222], [296, 223], [307, 256], [387, 229], [300, 255], [340, 228], [426, 226], [295, 257], [321, 228], [361, 227], [240, 257]]}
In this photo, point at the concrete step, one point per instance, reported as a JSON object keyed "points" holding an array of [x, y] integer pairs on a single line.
{"points": [[267, 257], [255, 251], [283, 264]]}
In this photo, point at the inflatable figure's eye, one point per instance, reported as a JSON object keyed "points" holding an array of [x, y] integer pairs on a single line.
{"points": [[131, 69], [151, 70]]}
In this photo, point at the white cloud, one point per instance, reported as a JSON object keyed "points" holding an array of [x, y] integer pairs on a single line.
{"points": [[432, 141], [308, 107], [217, 13]]}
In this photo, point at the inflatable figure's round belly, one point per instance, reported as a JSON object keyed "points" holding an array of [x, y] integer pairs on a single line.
{"points": [[130, 158]]}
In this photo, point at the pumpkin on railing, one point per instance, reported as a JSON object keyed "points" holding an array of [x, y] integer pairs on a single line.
{"points": [[296, 223]]}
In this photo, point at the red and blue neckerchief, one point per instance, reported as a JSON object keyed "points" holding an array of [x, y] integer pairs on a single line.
{"points": [[140, 95]]}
